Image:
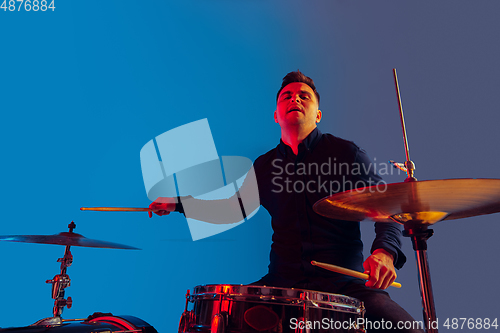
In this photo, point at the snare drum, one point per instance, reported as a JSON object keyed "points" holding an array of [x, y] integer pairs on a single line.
{"points": [[248, 308]]}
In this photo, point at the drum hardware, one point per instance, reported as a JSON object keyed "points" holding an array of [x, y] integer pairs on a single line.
{"points": [[186, 316], [305, 312], [219, 320], [218, 324], [408, 165], [61, 281], [400, 166], [418, 234]]}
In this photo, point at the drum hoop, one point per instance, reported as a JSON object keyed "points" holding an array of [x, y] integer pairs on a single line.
{"points": [[265, 294], [113, 320]]}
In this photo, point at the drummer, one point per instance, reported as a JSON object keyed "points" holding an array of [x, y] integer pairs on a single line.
{"points": [[304, 167]]}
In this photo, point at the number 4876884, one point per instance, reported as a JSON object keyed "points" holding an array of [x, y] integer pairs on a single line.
{"points": [[27, 5]]}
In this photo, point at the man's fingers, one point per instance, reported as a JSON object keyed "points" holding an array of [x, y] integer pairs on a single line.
{"points": [[391, 280], [160, 212], [374, 277], [155, 206], [150, 214], [380, 278], [368, 283], [366, 267], [386, 278], [380, 267]]}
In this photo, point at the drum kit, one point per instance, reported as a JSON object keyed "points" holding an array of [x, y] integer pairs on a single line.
{"points": [[250, 308]]}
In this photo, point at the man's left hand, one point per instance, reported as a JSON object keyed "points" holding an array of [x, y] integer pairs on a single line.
{"points": [[380, 267]]}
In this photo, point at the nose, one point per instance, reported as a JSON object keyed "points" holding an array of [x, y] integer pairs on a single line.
{"points": [[295, 98]]}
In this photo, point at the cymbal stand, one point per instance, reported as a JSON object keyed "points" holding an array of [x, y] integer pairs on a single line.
{"points": [[409, 165], [419, 233], [419, 236], [61, 281]]}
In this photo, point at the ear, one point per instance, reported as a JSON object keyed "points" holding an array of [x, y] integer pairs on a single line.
{"points": [[318, 116], [275, 116]]}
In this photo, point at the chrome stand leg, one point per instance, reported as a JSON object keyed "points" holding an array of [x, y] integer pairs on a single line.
{"points": [[419, 236]]}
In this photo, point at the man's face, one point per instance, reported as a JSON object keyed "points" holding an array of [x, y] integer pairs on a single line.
{"points": [[297, 106]]}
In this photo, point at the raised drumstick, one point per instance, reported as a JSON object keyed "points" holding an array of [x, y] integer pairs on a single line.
{"points": [[347, 271], [119, 209]]}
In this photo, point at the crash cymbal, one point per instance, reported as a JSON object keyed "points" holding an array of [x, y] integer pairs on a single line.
{"points": [[421, 202], [65, 238]]}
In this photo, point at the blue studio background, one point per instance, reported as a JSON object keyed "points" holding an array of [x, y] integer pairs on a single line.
{"points": [[84, 87]]}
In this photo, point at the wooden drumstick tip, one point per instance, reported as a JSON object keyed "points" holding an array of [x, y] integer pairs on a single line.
{"points": [[347, 271]]}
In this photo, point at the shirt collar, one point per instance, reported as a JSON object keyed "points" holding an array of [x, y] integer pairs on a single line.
{"points": [[309, 143]]}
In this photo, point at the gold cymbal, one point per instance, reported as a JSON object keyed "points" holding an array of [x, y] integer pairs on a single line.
{"points": [[419, 202]]}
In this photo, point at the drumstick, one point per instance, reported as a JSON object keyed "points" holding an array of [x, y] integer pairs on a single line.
{"points": [[347, 271], [119, 209]]}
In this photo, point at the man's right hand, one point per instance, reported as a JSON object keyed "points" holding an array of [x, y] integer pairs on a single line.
{"points": [[162, 206]]}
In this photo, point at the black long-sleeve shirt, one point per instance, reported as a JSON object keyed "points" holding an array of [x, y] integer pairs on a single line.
{"points": [[289, 185]]}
